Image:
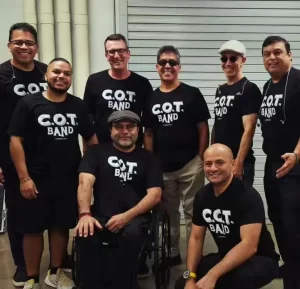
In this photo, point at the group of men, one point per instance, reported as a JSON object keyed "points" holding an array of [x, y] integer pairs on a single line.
{"points": [[49, 185]]}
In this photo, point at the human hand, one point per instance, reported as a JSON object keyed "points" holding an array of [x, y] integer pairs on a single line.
{"points": [[238, 169], [28, 189], [290, 161], [207, 282], [117, 222], [86, 226]]}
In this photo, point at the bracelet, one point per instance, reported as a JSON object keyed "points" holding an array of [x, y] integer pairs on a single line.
{"points": [[84, 214], [297, 158], [25, 180]]}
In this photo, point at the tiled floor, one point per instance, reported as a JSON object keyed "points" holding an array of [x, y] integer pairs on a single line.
{"points": [[7, 267]]}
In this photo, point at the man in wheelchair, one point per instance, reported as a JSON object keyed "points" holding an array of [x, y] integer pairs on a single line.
{"points": [[127, 182]]}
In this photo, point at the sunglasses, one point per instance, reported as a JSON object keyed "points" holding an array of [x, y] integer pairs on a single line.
{"points": [[232, 59], [163, 62]]}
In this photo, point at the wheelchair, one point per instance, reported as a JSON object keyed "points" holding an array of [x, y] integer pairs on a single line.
{"points": [[157, 245]]}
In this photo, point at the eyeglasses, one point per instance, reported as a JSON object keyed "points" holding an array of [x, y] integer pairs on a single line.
{"points": [[112, 52], [128, 127], [232, 59], [163, 62], [20, 43]]}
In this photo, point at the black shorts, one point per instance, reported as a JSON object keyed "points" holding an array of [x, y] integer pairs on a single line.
{"points": [[55, 206]]}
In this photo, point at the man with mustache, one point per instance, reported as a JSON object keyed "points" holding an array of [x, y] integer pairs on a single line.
{"points": [[177, 131], [45, 150], [236, 110], [126, 182], [279, 116]]}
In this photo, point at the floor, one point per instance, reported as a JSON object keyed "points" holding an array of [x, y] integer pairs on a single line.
{"points": [[7, 266]]}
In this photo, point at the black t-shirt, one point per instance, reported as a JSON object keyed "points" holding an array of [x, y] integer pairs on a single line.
{"points": [[280, 115], [15, 84], [122, 179], [173, 117], [104, 95], [232, 102], [51, 133], [240, 204]]}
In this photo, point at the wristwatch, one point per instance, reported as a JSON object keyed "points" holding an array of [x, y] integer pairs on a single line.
{"points": [[188, 274]]}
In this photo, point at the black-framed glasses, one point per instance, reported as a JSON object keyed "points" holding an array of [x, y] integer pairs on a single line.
{"points": [[120, 51], [163, 62], [20, 43], [232, 59], [129, 127]]}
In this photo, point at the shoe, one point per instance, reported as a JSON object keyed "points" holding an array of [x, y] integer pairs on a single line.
{"points": [[67, 264], [20, 277], [175, 261], [30, 284], [51, 279], [143, 271], [62, 281]]}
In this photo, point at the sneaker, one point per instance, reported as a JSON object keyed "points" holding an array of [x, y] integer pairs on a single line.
{"points": [[63, 282], [67, 264], [20, 277], [50, 280], [143, 271], [30, 284]]}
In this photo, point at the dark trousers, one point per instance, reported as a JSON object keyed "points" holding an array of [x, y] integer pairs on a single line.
{"points": [[111, 267], [12, 191], [249, 172], [283, 198], [254, 273]]}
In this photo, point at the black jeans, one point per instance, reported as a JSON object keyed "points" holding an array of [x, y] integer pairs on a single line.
{"points": [[12, 192], [111, 267], [283, 198], [249, 172], [258, 271]]}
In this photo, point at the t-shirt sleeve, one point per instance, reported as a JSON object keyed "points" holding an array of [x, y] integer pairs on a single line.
{"points": [[148, 119], [19, 120], [89, 97], [86, 128], [154, 172], [251, 208], [251, 100], [198, 219], [89, 162], [200, 109], [148, 89]]}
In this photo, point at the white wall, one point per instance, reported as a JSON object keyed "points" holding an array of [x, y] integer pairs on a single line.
{"points": [[11, 11]]}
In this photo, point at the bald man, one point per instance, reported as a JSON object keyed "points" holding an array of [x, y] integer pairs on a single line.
{"points": [[233, 212], [45, 150]]}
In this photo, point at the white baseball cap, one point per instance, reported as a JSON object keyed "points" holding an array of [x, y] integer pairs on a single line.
{"points": [[233, 45]]}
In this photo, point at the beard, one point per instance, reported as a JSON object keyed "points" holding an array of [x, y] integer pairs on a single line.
{"points": [[57, 90]]}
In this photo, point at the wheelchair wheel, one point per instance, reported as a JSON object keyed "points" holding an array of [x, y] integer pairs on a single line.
{"points": [[75, 265], [162, 251]]}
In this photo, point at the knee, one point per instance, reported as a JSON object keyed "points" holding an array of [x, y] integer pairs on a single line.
{"points": [[133, 234], [87, 243], [180, 283]]}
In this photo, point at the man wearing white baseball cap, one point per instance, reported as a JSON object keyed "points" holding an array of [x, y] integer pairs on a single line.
{"points": [[236, 109]]}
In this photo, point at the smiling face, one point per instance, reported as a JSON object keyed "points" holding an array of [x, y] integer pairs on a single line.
{"points": [[218, 164], [276, 59], [168, 67], [59, 76], [23, 47], [232, 64], [117, 54]]}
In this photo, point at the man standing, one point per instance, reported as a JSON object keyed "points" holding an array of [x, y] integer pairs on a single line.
{"points": [[280, 119], [127, 182], [236, 109], [115, 89], [19, 76], [234, 213], [45, 149], [177, 132]]}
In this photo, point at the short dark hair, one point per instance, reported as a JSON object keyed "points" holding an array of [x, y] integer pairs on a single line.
{"points": [[59, 59], [168, 49], [273, 39], [26, 27], [116, 36]]}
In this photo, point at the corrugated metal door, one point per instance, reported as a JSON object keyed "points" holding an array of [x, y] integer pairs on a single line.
{"points": [[198, 29]]}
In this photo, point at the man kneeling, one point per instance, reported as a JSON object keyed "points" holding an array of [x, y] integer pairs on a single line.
{"points": [[127, 183], [234, 213]]}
